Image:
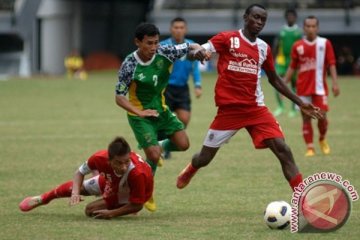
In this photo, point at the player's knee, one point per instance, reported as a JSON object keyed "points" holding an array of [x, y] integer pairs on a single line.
{"points": [[184, 146], [89, 210], [154, 156]]}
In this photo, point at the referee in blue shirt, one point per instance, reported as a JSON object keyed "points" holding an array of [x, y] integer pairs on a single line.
{"points": [[177, 93]]}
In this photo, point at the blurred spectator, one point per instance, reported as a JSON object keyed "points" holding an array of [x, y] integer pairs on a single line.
{"points": [[74, 65], [345, 61], [356, 68]]}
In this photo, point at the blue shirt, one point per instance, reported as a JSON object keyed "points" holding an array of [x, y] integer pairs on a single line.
{"points": [[182, 68]]}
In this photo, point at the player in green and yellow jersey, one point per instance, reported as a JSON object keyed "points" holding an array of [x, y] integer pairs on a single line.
{"points": [[289, 34], [144, 76]]}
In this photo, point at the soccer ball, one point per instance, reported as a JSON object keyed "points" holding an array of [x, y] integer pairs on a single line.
{"points": [[277, 215]]}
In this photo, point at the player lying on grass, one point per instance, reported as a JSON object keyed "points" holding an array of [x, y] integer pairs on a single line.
{"points": [[122, 178]]}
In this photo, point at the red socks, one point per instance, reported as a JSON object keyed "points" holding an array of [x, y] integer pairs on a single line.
{"points": [[295, 181], [322, 125], [308, 134], [63, 190]]}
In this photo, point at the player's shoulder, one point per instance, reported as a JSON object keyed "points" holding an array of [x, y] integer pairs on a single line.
{"points": [[99, 156], [128, 65], [261, 43], [299, 42], [129, 59], [227, 34], [140, 164], [136, 158], [230, 33]]}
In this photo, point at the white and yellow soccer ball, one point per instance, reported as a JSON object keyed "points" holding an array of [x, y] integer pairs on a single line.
{"points": [[277, 215]]}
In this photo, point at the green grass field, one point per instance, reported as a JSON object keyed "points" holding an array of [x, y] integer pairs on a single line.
{"points": [[49, 126]]}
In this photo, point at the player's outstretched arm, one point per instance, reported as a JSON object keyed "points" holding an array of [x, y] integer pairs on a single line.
{"points": [[197, 52], [124, 210], [75, 193]]}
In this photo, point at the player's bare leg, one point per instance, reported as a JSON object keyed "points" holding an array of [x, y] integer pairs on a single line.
{"points": [[284, 154], [153, 154], [181, 140], [61, 191], [183, 115], [199, 160], [178, 141]]}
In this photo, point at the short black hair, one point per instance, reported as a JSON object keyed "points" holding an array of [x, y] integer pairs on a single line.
{"points": [[290, 11], [250, 7], [118, 147], [146, 29], [312, 17], [178, 19]]}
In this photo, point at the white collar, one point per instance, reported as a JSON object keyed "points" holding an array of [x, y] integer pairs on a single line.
{"points": [[310, 42], [246, 39], [141, 61], [292, 28]]}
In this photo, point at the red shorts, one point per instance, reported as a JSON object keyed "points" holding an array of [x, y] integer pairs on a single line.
{"points": [[320, 101], [258, 121]]}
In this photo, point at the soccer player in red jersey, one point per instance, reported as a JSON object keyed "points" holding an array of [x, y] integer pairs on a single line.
{"points": [[312, 56], [123, 179], [240, 100]]}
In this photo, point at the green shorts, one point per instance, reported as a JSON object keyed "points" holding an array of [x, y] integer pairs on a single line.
{"points": [[146, 130]]}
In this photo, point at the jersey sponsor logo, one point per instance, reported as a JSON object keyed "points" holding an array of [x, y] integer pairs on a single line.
{"points": [[181, 46], [307, 64], [245, 66], [160, 64], [237, 54]]}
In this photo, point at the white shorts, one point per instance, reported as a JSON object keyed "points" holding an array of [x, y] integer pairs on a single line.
{"points": [[216, 138], [92, 186]]}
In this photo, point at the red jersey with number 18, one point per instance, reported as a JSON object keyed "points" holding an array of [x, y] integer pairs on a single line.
{"points": [[239, 68]]}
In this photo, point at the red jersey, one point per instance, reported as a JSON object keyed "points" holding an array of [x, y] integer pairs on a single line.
{"points": [[312, 60], [135, 186], [239, 68]]}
